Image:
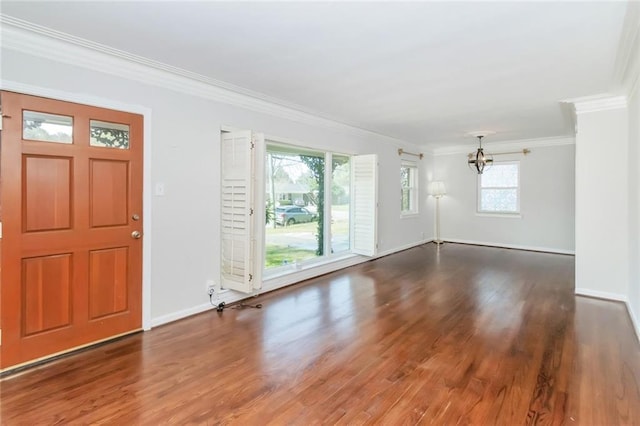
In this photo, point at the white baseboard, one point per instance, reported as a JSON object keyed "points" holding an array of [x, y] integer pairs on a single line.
{"points": [[174, 316], [279, 282], [511, 246], [634, 319], [616, 298], [227, 297], [601, 294], [401, 248]]}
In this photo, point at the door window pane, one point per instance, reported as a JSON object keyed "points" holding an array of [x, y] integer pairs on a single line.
{"points": [[40, 126], [109, 135]]}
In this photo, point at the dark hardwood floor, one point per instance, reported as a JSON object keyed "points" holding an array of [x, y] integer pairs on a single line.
{"points": [[456, 335]]}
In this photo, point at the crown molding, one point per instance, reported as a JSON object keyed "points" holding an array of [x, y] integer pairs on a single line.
{"points": [[627, 64], [595, 103], [515, 145], [39, 41]]}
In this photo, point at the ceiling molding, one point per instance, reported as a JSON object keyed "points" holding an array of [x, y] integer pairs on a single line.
{"points": [[39, 41], [506, 146], [627, 64], [597, 103]]}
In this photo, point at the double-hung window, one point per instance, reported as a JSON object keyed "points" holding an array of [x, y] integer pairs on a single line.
{"points": [[499, 189], [409, 188]]}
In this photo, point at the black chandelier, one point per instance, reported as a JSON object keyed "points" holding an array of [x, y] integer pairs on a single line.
{"points": [[481, 161]]}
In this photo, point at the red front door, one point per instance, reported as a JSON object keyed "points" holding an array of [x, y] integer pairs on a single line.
{"points": [[71, 203]]}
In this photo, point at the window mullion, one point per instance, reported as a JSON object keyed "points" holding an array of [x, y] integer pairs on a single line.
{"points": [[328, 176]]}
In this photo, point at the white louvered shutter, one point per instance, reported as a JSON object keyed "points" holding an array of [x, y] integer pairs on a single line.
{"points": [[365, 204], [238, 248], [259, 209]]}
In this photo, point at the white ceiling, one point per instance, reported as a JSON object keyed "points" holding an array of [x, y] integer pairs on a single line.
{"points": [[424, 72]]}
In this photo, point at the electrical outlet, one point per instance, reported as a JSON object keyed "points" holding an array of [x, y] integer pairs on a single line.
{"points": [[210, 287]]}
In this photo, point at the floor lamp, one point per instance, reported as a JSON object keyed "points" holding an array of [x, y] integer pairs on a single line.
{"points": [[437, 190]]}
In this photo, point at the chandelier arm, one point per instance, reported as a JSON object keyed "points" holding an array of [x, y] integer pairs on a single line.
{"points": [[481, 161]]}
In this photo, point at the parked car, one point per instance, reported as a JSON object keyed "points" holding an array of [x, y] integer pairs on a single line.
{"points": [[290, 215]]}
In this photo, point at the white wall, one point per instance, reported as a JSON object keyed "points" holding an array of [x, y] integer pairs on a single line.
{"points": [[607, 156], [608, 181], [185, 134], [634, 208], [547, 199], [429, 202], [631, 79], [602, 201]]}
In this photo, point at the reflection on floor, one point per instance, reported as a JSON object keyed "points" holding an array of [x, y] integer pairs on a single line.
{"points": [[456, 334]]}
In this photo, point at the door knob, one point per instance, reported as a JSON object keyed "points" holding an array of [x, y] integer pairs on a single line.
{"points": [[136, 235], [135, 216]]}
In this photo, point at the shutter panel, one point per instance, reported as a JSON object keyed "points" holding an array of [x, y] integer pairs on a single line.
{"points": [[365, 204], [259, 209], [236, 203]]}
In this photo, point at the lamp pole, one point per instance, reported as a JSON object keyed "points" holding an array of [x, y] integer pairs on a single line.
{"points": [[437, 190], [438, 240]]}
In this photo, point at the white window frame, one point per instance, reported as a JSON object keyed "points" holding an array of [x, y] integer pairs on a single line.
{"points": [[414, 193], [481, 212], [363, 207]]}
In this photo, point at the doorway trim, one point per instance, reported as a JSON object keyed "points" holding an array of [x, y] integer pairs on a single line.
{"points": [[146, 166]]}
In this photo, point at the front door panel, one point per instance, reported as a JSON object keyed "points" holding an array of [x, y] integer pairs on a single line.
{"points": [[71, 201]]}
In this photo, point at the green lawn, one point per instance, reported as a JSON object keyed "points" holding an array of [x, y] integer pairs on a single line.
{"points": [[337, 227], [298, 227], [277, 255]]}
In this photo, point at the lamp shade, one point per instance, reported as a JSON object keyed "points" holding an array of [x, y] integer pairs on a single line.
{"points": [[437, 189]]}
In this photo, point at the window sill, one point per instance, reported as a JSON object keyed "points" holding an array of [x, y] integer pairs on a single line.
{"points": [[504, 215], [282, 278], [409, 215], [292, 268]]}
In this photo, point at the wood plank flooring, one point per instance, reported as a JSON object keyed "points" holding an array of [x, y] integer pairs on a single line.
{"points": [[455, 335]]}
